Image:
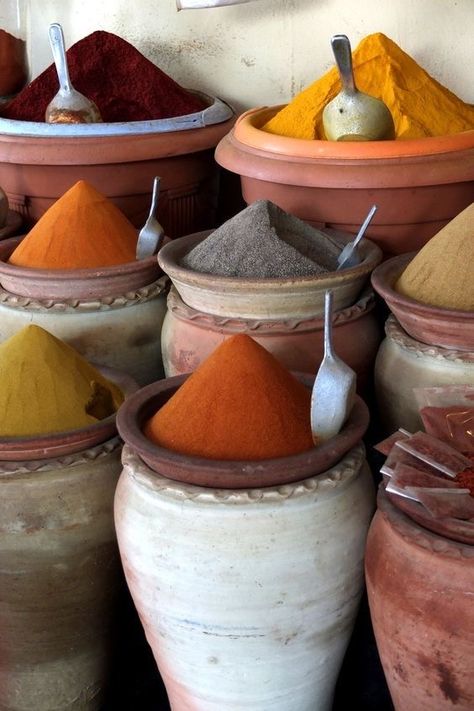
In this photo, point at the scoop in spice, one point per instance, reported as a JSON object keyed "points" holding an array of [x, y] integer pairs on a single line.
{"points": [[264, 241]]}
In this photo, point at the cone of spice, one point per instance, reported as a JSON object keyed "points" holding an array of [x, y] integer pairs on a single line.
{"points": [[442, 272], [48, 387], [239, 404], [81, 230]]}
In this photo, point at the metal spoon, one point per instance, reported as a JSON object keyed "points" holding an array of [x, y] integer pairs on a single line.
{"points": [[68, 105], [151, 235], [349, 256], [353, 115], [334, 387]]}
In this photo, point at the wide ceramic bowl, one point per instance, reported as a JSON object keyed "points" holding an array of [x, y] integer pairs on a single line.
{"points": [[74, 283], [447, 328], [298, 297], [140, 406], [419, 185], [56, 444]]}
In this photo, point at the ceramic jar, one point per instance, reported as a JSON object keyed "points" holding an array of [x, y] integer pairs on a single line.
{"points": [[59, 579], [402, 363], [420, 588], [189, 336]]}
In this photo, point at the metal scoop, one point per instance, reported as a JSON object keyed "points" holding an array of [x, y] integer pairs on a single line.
{"points": [[353, 115], [349, 256], [334, 387], [151, 235], [68, 105]]}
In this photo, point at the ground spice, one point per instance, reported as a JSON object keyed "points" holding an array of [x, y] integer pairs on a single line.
{"points": [[420, 105], [442, 272], [13, 64], [263, 241], [465, 480], [48, 387], [123, 83], [83, 229], [239, 404]]}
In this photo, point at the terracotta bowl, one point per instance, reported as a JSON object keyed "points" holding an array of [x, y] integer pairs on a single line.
{"points": [[74, 283], [57, 444], [419, 185], [447, 328], [300, 297], [230, 474], [39, 162]]}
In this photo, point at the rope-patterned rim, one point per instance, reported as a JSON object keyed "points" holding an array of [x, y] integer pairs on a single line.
{"points": [[396, 334]]}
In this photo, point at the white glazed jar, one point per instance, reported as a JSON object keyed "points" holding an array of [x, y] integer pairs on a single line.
{"points": [[248, 597]]}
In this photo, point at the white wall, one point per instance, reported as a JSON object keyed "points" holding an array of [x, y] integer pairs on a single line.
{"points": [[266, 51]]}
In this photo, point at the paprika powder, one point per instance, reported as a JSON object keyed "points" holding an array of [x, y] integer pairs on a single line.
{"points": [[239, 404], [124, 84], [13, 64]]}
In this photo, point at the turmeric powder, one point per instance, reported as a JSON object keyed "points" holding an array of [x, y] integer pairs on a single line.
{"points": [[48, 387], [239, 404], [420, 105], [442, 273], [82, 229]]}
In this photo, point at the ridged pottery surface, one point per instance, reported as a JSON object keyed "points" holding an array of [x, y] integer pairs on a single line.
{"points": [[59, 577], [123, 332], [247, 597], [419, 185], [420, 587], [403, 364], [189, 336]]}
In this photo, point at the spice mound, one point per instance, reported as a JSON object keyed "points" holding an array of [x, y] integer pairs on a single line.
{"points": [[13, 64], [125, 85], [419, 104], [442, 272], [81, 230], [48, 387], [263, 241], [239, 404]]}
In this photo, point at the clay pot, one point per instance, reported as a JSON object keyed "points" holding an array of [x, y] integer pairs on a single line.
{"points": [[60, 573], [284, 298], [402, 363], [420, 587], [35, 170], [111, 315], [253, 596], [449, 328], [189, 336], [419, 185]]}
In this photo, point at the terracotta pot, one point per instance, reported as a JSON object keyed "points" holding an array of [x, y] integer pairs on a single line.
{"points": [[296, 297], [189, 336], [36, 170], [449, 328], [419, 185], [253, 596], [420, 595], [59, 579], [402, 363], [124, 332]]}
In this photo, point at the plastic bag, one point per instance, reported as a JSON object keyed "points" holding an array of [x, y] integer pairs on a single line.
{"points": [[447, 412]]}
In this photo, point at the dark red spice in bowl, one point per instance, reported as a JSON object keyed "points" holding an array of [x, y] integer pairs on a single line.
{"points": [[125, 85]]}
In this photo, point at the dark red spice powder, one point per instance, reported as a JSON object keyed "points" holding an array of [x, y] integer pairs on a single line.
{"points": [[124, 84], [13, 64]]}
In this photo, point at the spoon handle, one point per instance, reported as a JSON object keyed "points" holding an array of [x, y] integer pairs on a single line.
{"points": [[154, 196], [328, 351], [56, 40], [341, 48], [364, 225]]}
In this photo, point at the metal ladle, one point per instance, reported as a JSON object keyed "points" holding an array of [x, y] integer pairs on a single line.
{"points": [[152, 233], [349, 256], [353, 115], [68, 105]]}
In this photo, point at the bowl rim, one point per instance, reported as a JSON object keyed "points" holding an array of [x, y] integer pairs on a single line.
{"points": [[248, 131], [170, 254], [50, 445], [383, 278], [231, 474]]}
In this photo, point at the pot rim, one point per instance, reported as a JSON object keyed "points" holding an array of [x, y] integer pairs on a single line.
{"points": [[230, 474], [247, 131], [56, 444]]}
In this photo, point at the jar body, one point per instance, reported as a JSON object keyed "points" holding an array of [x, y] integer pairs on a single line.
{"points": [[14, 69], [248, 597], [420, 588]]}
